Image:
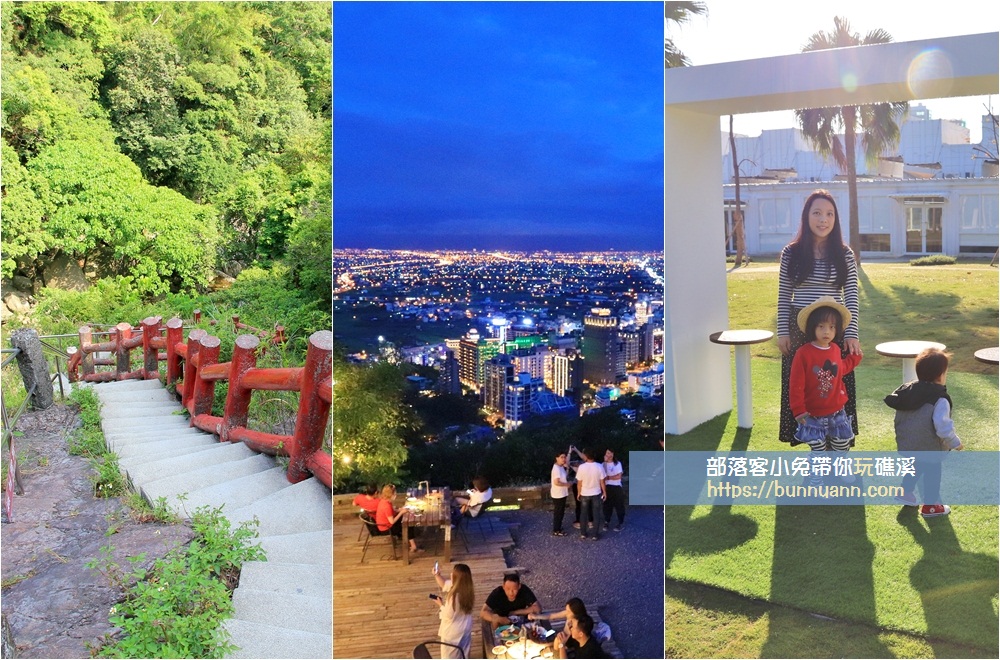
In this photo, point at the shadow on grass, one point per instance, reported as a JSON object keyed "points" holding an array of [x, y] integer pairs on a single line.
{"points": [[823, 560], [720, 530], [956, 588]]}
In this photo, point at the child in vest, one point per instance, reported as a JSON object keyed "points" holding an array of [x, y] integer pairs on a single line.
{"points": [[816, 391], [923, 424]]}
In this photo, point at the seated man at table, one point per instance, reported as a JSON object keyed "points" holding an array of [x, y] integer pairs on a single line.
{"points": [[472, 504], [510, 599], [578, 641]]}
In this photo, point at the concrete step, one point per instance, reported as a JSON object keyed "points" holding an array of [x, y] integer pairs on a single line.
{"points": [[146, 423], [144, 472], [302, 579], [138, 396], [300, 548], [126, 386], [187, 482], [118, 440], [171, 446], [262, 640], [143, 458], [308, 613], [302, 507], [139, 409], [236, 493]]}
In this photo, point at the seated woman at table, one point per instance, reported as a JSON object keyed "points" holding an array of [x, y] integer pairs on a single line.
{"points": [[574, 610], [368, 500], [472, 503], [456, 610], [388, 519], [578, 641]]}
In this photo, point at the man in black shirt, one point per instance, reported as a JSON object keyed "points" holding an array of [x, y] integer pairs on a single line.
{"points": [[576, 640], [512, 598]]}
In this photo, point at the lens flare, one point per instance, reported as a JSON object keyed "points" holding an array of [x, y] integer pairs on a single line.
{"points": [[929, 74], [849, 81]]}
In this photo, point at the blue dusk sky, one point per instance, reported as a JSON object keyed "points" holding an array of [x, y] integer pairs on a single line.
{"points": [[509, 125]]}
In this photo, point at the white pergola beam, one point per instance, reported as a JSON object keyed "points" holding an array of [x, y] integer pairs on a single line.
{"points": [[697, 383]]}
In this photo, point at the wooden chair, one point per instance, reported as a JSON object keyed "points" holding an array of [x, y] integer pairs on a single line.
{"points": [[421, 650], [375, 532]]}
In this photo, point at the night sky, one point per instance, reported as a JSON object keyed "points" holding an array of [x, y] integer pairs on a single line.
{"points": [[512, 126]]}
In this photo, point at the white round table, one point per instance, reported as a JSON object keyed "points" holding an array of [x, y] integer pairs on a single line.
{"points": [[907, 350], [989, 355], [742, 339]]}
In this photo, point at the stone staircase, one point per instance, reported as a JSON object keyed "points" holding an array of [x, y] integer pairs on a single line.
{"points": [[283, 607]]}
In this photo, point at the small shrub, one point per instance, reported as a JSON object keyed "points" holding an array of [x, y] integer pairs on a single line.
{"points": [[933, 260]]}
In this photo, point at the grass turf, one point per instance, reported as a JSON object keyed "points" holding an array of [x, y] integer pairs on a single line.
{"points": [[880, 566]]}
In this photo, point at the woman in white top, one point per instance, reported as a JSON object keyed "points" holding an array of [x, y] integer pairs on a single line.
{"points": [[456, 609]]}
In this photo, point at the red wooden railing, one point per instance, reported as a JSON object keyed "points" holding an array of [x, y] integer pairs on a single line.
{"points": [[193, 367]]}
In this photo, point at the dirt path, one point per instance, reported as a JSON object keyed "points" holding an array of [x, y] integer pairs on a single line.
{"points": [[55, 605]]}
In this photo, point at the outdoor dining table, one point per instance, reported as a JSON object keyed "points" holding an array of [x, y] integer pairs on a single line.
{"points": [[907, 350], [432, 509], [989, 355], [520, 649], [742, 339]]}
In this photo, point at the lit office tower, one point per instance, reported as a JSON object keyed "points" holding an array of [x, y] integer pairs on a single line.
{"points": [[448, 380], [604, 359], [496, 372], [631, 340], [517, 402], [531, 360], [468, 359], [567, 375], [472, 353], [643, 310]]}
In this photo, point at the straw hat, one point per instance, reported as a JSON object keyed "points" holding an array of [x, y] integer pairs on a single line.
{"points": [[824, 301]]}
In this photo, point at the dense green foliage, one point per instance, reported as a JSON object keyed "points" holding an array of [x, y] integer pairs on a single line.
{"points": [[163, 141]]}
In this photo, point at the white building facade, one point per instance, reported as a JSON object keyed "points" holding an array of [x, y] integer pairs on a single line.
{"points": [[938, 195]]}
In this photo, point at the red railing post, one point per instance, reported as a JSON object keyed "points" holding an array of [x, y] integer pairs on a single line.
{"points": [[238, 397], [86, 336], [150, 354], [204, 390], [190, 370], [310, 424], [123, 331], [175, 335]]}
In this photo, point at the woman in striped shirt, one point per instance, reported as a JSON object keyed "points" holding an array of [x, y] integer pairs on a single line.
{"points": [[815, 264]]}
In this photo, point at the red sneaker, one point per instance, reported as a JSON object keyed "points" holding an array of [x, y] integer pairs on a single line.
{"points": [[933, 510]]}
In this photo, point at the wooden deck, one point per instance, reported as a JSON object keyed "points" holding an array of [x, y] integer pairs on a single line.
{"points": [[381, 608]]}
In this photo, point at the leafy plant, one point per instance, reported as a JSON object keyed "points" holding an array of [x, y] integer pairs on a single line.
{"points": [[174, 609]]}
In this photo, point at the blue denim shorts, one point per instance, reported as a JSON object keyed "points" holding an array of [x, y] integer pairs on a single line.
{"points": [[815, 429]]}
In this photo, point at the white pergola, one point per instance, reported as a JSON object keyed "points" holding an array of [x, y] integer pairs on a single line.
{"points": [[697, 384]]}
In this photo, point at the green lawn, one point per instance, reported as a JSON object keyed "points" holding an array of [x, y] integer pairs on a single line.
{"points": [[880, 566]]}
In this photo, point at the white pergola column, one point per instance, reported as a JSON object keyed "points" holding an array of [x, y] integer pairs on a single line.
{"points": [[697, 384]]}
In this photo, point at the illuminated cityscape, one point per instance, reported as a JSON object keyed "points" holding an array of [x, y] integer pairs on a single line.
{"points": [[528, 332]]}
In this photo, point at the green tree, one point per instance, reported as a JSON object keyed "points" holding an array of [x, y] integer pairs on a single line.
{"points": [[878, 122], [679, 13], [369, 421]]}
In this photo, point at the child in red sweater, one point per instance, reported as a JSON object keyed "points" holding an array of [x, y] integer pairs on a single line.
{"points": [[816, 391]]}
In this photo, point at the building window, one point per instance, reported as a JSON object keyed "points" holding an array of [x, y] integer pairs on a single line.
{"points": [[875, 242]]}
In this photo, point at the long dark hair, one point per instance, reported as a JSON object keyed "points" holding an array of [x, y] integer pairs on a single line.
{"points": [[801, 259]]}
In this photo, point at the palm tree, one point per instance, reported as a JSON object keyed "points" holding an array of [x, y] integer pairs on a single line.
{"points": [[679, 12], [878, 122]]}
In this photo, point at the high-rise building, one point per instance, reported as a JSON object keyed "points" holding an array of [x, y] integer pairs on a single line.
{"points": [[604, 359], [497, 371], [449, 381], [567, 375], [631, 345], [517, 402], [473, 351]]}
